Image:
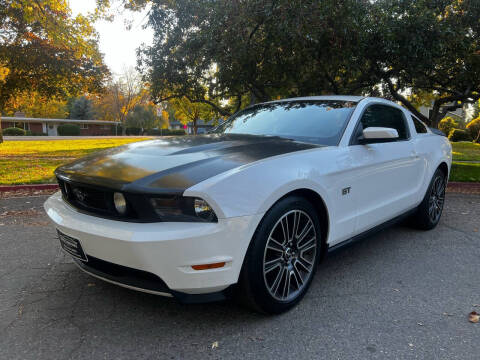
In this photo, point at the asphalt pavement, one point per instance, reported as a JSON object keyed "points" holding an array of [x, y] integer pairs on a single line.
{"points": [[401, 294]]}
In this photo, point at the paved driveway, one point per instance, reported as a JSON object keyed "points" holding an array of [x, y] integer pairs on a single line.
{"points": [[400, 294]]}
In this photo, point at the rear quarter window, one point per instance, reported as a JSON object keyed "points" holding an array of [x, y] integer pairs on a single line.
{"points": [[420, 127]]}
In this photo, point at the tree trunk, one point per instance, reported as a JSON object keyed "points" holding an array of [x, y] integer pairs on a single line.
{"points": [[124, 128], [195, 126], [1, 132]]}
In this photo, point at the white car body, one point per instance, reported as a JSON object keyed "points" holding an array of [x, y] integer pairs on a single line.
{"points": [[360, 186]]}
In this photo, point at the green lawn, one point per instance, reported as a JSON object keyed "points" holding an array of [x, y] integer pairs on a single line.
{"points": [[33, 162], [466, 151], [461, 171], [465, 172]]}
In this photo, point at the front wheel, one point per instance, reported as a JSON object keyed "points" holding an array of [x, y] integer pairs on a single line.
{"points": [[282, 258], [430, 210]]}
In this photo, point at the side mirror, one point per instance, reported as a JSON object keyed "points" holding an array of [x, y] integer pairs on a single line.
{"points": [[378, 134]]}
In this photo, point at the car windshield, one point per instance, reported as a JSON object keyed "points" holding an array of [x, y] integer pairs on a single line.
{"points": [[316, 121]]}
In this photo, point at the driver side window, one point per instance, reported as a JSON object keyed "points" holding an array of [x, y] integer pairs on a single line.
{"points": [[384, 116]]}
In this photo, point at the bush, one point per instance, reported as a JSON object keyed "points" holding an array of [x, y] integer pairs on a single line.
{"points": [[474, 128], [459, 135], [447, 125], [165, 132], [68, 130], [133, 131], [13, 131]]}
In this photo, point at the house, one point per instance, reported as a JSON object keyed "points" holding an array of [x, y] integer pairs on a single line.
{"points": [[49, 126], [458, 114], [202, 126]]}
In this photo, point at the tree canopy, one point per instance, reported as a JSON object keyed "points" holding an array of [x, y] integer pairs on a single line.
{"points": [[143, 117], [248, 51], [44, 49]]}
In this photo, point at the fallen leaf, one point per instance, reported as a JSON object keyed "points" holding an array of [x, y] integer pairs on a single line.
{"points": [[473, 317], [411, 345], [476, 305], [447, 314], [421, 324], [215, 345], [90, 284]]}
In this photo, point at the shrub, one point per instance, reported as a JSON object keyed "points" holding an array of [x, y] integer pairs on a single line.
{"points": [[474, 128], [459, 135], [133, 131], [68, 130], [447, 125], [165, 132], [13, 131]]}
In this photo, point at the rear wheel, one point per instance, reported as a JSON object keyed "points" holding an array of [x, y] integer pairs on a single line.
{"points": [[430, 210], [282, 258]]}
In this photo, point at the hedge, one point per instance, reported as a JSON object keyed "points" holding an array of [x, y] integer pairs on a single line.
{"points": [[459, 135], [68, 130], [447, 125], [474, 128], [14, 131], [133, 131], [165, 132]]}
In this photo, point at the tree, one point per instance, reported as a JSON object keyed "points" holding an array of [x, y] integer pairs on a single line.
{"points": [[187, 111], [208, 51], [144, 117], [36, 105], [47, 51], [121, 97], [476, 110], [81, 109], [427, 47]]}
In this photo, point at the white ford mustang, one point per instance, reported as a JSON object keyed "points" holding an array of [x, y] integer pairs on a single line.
{"points": [[252, 207]]}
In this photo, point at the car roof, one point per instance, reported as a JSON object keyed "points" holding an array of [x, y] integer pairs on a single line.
{"points": [[325, 97]]}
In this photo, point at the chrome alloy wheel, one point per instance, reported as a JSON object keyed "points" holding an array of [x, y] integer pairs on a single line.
{"points": [[437, 199], [289, 256]]}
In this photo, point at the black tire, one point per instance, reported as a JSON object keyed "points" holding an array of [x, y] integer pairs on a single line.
{"points": [[429, 211], [260, 266]]}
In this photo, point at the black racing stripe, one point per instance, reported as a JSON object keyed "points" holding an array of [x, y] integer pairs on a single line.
{"points": [[175, 164]]}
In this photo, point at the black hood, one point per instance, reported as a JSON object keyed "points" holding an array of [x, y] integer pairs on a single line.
{"points": [[171, 165]]}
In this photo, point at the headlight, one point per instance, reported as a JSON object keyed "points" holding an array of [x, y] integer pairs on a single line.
{"points": [[203, 210], [120, 203], [185, 209]]}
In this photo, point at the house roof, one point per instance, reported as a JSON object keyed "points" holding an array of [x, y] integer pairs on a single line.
{"points": [[75, 121]]}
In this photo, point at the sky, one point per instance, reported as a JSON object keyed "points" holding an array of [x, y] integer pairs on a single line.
{"points": [[116, 42]]}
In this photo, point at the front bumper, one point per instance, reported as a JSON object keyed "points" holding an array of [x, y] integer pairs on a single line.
{"points": [[166, 250]]}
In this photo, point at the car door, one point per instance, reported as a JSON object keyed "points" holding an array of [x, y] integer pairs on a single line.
{"points": [[385, 175]]}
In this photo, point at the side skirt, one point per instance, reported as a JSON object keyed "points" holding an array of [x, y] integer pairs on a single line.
{"points": [[371, 231]]}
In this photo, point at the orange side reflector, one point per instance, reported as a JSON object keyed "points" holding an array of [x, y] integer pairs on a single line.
{"points": [[208, 266]]}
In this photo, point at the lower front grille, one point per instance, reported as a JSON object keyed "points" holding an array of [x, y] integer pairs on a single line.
{"points": [[124, 275]]}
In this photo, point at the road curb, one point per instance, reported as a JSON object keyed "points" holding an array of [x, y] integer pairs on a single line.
{"points": [[4, 188], [464, 187]]}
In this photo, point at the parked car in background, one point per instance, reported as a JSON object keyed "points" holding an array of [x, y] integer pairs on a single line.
{"points": [[252, 207]]}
